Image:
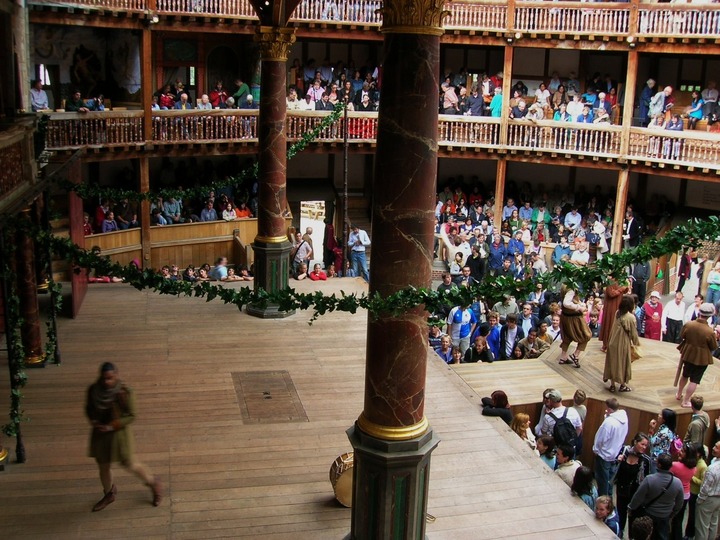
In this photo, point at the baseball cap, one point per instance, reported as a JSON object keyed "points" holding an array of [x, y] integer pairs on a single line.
{"points": [[655, 294], [553, 395]]}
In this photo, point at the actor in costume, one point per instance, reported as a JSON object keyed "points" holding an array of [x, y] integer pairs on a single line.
{"points": [[696, 353], [111, 410]]}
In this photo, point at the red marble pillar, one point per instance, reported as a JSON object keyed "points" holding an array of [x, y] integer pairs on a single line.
{"points": [[402, 234], [27, 293], [392, 438], [271, 246]]}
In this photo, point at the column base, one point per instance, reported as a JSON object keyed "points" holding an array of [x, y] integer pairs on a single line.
{"points": [[270, 311], [35, 361], [390, 486]]}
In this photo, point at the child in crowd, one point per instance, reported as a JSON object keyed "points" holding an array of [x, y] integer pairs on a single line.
{"points": [[605, 512], [546, 448], [579, 405], [594, 324]]}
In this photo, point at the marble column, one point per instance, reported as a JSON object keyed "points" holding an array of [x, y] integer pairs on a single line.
{"points": [[392, 438], [271, 245], [27, 293]]}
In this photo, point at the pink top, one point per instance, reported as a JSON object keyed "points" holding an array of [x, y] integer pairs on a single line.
{"points": [[684, 474]]}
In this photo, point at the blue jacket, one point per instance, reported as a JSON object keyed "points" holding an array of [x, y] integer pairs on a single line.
{"points": [[559, 251], [497, 256], [515, 246], [493, 341]]}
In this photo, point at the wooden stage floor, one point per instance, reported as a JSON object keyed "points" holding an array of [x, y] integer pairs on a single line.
{"points": [[652, 382], [227, 476]]}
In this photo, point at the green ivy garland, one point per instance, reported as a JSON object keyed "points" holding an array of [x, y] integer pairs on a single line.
{"points": [[492, 289], [16, 351], [87, 191]]}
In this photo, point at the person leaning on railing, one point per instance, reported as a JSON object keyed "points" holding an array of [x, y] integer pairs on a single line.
{"points": [[76, 103]]}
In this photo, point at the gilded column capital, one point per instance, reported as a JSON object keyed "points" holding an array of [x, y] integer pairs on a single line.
{"points": [[275, 42], [413, 17]]}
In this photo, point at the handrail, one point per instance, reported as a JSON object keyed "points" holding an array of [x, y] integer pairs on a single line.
{"points": [[612, 19], [106, 128], [686, 148]]}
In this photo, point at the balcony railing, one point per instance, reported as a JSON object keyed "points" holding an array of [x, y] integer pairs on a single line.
{"points": [[576, 18], [565, 138], [572, 18], [112, 129], [686, 148], [204, 126], [108, 128]]}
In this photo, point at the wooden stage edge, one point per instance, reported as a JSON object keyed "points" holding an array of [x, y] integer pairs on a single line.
{"points": [[652, 384]]}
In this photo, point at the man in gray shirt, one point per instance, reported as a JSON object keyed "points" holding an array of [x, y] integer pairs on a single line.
{"points": [[661, 496]]}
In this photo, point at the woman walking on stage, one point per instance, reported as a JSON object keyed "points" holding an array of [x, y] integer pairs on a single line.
{"points": [[613, 295], [623, 335], [111, 410]]}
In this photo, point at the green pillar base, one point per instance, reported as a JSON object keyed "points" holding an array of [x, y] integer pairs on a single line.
{"points": [[272, 272], [390, 486]]}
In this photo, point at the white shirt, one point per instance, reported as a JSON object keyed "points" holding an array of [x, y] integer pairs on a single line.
{"points": [[611, 435], [673, 311], [580, 256], [358, 236], [709, 94], [548, 423]]}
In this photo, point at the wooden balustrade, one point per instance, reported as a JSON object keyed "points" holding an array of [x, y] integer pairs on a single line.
{"points": [[673, 20], [229, 8], [364, 12], [16, 152], [688, 148], [486, 16], [572, 18], [205, 126], [477, 131], [111, 5], [578, 18], [565, 137], [107, 128]]}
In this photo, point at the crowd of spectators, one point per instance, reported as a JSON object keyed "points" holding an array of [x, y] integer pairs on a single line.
{"points": [[321, 88], [227, 203]]}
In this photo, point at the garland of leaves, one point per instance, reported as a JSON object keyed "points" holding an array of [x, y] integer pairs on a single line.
{"points": [[16, 351], [87, 191], [492, 289]]}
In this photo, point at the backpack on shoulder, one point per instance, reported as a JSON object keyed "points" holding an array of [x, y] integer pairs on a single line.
{"points": [[564, 431]]}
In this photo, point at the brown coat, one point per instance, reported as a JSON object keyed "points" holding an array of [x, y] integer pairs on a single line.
{"points": [[613, 296], [698, 343]]}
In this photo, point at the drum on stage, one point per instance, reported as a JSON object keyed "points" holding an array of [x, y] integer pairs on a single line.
{"points": [[341, 478]]}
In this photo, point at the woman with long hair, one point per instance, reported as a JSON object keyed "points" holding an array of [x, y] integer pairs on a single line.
{"points": [[111, 409], [662, 433], [521, 425], [622, 337], [684, 469], [584, 486], [633, 466], [695, 484], [614, 292]]}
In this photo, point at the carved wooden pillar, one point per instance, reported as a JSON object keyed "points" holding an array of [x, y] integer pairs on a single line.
{"points": [[392, 438], [27, 293], [271, 245], [145, 213], [620, 204]]}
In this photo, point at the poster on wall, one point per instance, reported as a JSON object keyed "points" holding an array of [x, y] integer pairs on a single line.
{"points": [[703, 195]]}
